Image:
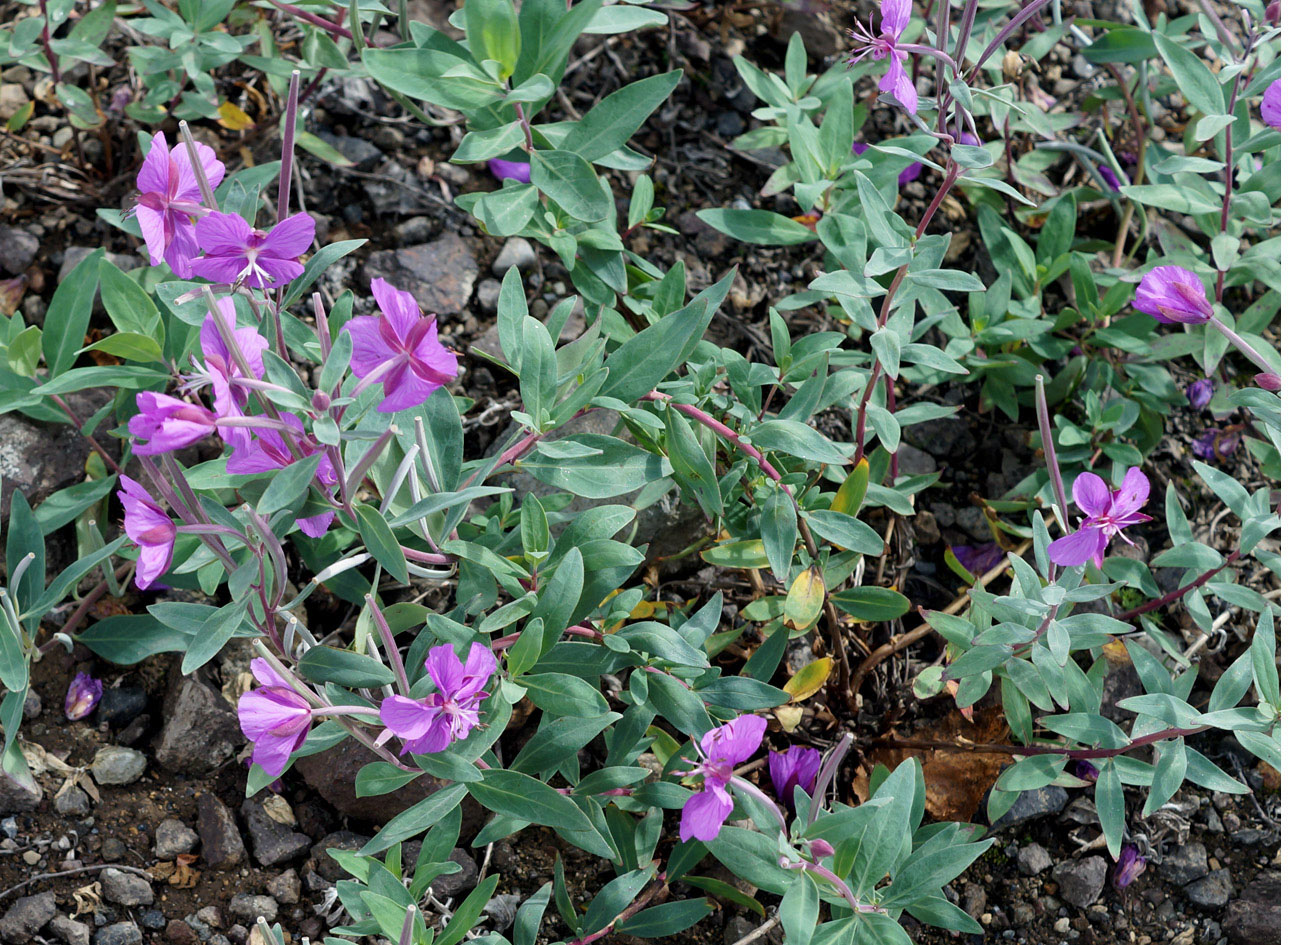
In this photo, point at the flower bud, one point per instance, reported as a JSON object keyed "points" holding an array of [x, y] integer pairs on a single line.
{"points": [[1274, 12], [320, 401], [1012, 64], [1199, 393], [1268, 381], [83, 695], [1130, 865], [820, 849]]}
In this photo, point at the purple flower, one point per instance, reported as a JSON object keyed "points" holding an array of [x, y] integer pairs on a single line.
{"points": [[274, 718], [1173, 295], [220, 367], [450, 712], [1108, 513], [1216, 444], [1199, 393], [1086, 770], [971, 139], [978, 559], [165, 423], [1268, 381], [83, 695], [796, 767], [149, 527], [1110, 178], [720, 750], [504, 170], [402, 348], [910, 173], [894, 17], [1270, 107], [169, 199], [1130, 865], [264, 449], [235, 252]]}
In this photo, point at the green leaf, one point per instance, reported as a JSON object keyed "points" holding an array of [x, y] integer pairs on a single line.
{"points": [[468, 912], [1197, 84], [126, 640], [417, 819], [571, 181], [875, 604], [779, 530], [346, 668], [1111, 807], [382, 777], [564, 695], [760, 227], [670, 918], [617, 468], [66, 504], [514, 794], [289, 484], [68, 316], [845, 532], [608, 125], [799, 910], [799, 439], [212, 635], [379, 540]]}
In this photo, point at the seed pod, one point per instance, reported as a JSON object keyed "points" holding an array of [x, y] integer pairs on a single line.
{"points": [[1011, 64]]}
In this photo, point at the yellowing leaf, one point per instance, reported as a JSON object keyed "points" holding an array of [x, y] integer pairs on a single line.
{"points": [[789, 716], [809, 680], [852, 493], [803, 603], [233, 117]]}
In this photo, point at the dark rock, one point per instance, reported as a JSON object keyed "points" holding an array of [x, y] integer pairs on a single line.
{"points": [[1121, 682], [32, 705], [324, 865], [178, 933], [26, 917], [1185, 864], [730, 124], [119, 933], [976, 900], [18, 249], [69, 930], [1033, 859], [1212, 891], [820, 36], [173, 838], [1081, 881], [221, 845], [250, 907], [974, 523], [200, 730], [945, 436], [333, 774], [273, 842], [440, 274], [120, 706], [153, 920], [73, 256], [115, 764], [1255, 918], [452, 885], [126, 889], [914, 462], [37, 460], [357, 150], [113, 850], [740, 927], [1033, 804]]}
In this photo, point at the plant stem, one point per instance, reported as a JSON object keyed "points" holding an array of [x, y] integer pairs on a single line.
{"points": [[389, 645], [1243, 346], [1052, 461], [49, 50], [1171, 596], [1075, 754], [286, 149]]}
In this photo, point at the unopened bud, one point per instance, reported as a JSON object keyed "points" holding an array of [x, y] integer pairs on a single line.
{"points": [[820, 849], [83, 695], [1268, 381], [1274, 12], [320, 401], [1012, 64]]}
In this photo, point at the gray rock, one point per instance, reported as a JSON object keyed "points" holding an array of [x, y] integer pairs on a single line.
{"points": [[516, 252], [489, 293], [18, 797], [73, 255], [273, 842], [116, 764], [976, 900], [119, 933], [37, 460], [221, 845], [332, 774], [325, 865], [120, 705], [32, 705], [1185, 864], [210, 915], [286, 888], [914, 462], [740, 927], [70, 931], [974, 523], [945, 436], [440, 274], [1033, 859], [17, 249], [452, 885], [26, 917], [1033, 804], [152, 919], [72, 802], [357, 150], [126, 889], [1081, 881], [1212, 891], [250, 907], [173, 838], [414, 230], [1255, 918], [200, 731]]}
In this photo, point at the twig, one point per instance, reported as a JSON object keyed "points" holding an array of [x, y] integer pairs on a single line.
{"points": [[81, 869], [760, 931]]}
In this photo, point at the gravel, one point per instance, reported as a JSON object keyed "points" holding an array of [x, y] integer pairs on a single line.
{"points": [[1081, 881], [26, 917], [173, 838], [115, 764], [126, 889], [119, 933]]}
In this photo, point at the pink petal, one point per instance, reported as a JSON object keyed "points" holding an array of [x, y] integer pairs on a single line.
{"points": [[735, 741], [894, 16], [1133, 494], [264, 674], [479, 667], [291, 237], [223, 233], [180, 252], [705, 812], [400, 307], [279, 271], [186, 187], [445, 668], [1078, 547], [899, 83], [1091, 494], [153, 562], [369, 349], [436, 739], [155, 172], [273, 752], [403, 390], [406, 717], [153, 229], [219, 268]]}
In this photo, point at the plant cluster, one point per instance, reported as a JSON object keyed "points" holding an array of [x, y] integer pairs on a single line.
{"points": [[337, 460]]}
